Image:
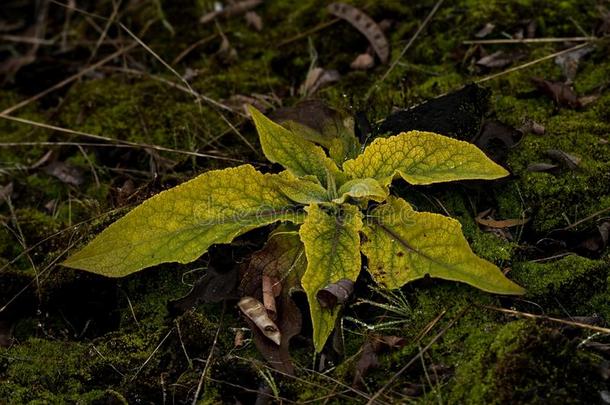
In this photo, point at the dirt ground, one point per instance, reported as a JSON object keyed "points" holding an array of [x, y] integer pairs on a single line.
{"points": [[106, 103]]}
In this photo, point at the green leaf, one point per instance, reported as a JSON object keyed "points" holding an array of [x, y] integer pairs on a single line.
{"points": [[303, 190], [332, 244], [362, 188], [422, 158], [403, 245], [180, 224], [293, 152]]}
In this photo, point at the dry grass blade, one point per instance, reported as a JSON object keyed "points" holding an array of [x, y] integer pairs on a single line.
{"points": [[116, 141], [527, 40], [548, 318], [416, 357], [209, 359]]}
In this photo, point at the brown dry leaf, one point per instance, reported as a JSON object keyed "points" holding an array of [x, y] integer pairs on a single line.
{"points": [[366, 25], [363, 61], [493, 223], [496, 139], [212, 287], [368, 359], [335, 294], [271, 289], [496, 60], [531, 126], [65, 173], [256, 312], [541, 167], [568, 160], [568, 62], [318, 78], [231, 10], [254, 20], [282, 258], [485, 31], [561, 93]]}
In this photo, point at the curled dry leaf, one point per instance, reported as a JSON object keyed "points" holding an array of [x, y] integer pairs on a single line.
{"points": [[231, 10], [485, 31], [318, 78], [561, 93], [366, 25], [335, 294], [568, 160], [541, 167], [254, 20], [363, 61], [493, 223], [271, 289], [497, 59], [256, 312]]}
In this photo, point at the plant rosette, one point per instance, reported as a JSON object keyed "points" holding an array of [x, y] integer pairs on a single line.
{"points": [[340, 201]]}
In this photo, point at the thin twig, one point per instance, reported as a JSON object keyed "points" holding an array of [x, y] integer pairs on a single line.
{"points": [[118, 141], [527, 40], [151, 355], [414, 359], [548, 318], [68, 80], [304, 34], [209, 359], [528, 64], [406, 48]]}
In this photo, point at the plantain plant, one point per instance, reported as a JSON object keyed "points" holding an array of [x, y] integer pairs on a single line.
{"points": [[340, 200]]}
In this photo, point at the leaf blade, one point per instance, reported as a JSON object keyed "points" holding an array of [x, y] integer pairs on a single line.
{"points": [[403, 245], [332, 248], [180, 224], [422, 158], [298, 155]]}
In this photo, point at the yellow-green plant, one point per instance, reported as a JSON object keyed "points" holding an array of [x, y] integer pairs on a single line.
{"points": [[341, 202]]}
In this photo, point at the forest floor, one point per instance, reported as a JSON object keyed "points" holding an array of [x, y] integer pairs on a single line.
{"points": [[106, 103]]}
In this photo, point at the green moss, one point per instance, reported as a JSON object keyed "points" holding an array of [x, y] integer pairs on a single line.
{"points": [[565, 284]]}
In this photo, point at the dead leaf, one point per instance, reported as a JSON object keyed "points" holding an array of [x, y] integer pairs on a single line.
{"points": [[271, 289], [363, 61], [239, 339], [254, 20], [318, 78], [65, 172], [256, 312], [496, 139], [493, 223], [335, 294], [236, 8], [561, 93], [531, 126], [212, 287], [366, 25], [496, 60], [541, 167], [568, 160], [485, 31], [568, 62], [368, 359]]}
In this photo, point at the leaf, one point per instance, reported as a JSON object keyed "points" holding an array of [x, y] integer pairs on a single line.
{"points": [[366, 25], [318, 123], [422, 158], [296, 154], [303, 190], [180, 224], [332, 243], [362, 188], [403, 245]]}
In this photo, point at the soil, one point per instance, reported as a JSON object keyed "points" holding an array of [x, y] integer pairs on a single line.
{"points": [[68, 336]]}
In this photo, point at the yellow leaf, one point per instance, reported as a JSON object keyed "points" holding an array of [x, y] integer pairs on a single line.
{"points": [[180, 224], [362, 189], [293, 152], [303, 190], [403, 245], [332, 248], [422, 158]]}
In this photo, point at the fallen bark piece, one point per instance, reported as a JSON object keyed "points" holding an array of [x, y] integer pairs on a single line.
{"points": [[256, 312], [366, 25]]}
